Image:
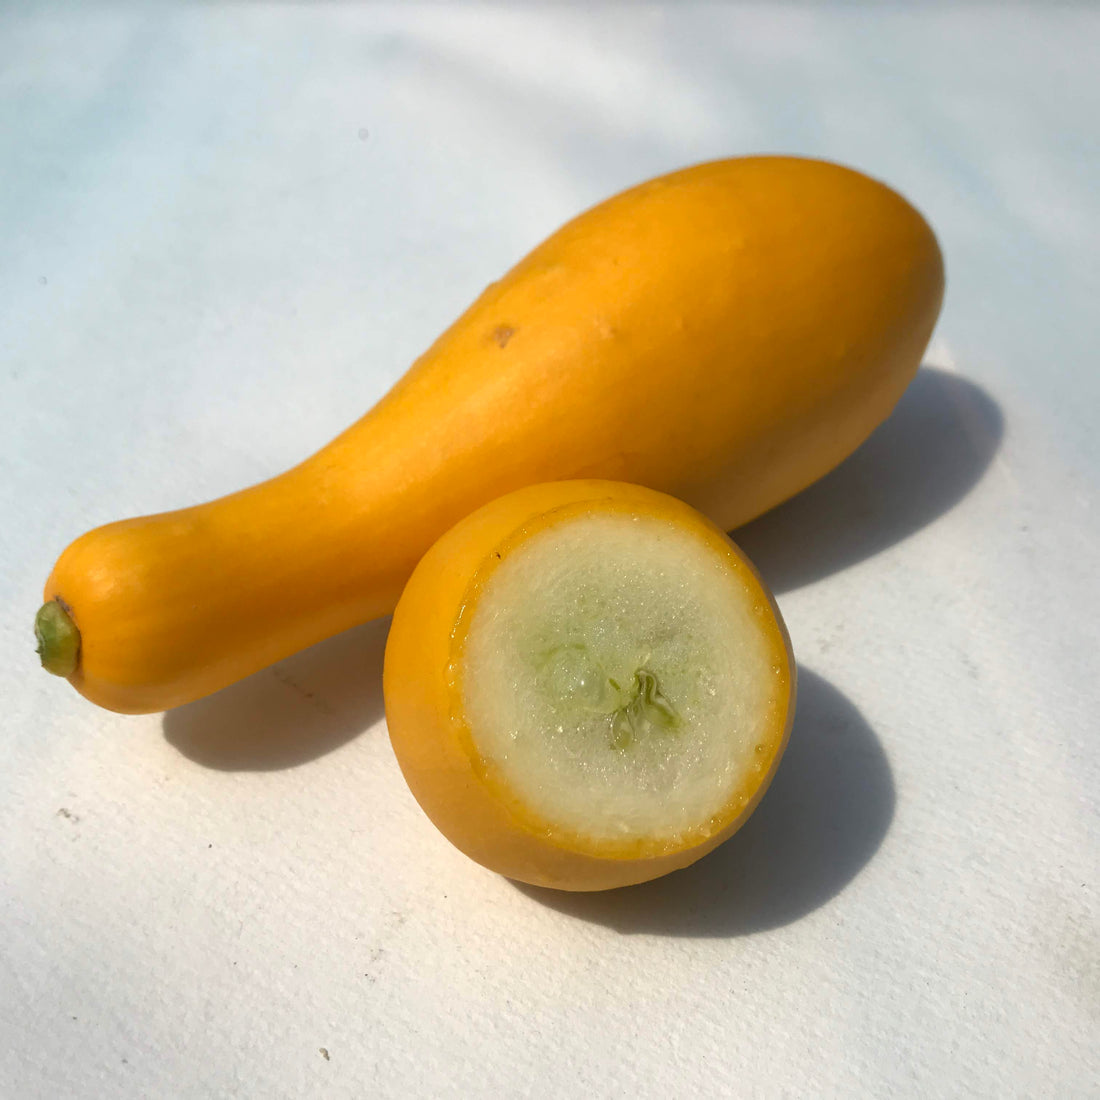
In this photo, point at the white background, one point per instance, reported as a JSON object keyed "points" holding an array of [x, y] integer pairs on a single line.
{"points": [[224, 232]]}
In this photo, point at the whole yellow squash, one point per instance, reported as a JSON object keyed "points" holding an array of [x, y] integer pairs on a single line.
{"points": [[727, 334]]}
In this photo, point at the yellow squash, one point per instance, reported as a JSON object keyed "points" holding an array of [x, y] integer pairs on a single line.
{"points": [[470, 798], [727, 334]]}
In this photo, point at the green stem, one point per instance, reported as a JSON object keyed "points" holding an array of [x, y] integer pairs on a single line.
{"points": [[58, 639]]}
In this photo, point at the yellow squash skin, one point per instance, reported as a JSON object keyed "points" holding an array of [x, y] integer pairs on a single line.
{"points": [[433, 743], [727, 334]]}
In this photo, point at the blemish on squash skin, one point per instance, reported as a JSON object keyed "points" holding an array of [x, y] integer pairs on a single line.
{"points": [[502, 334]]}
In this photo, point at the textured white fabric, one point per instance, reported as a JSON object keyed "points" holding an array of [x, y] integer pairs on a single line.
{"points": [[226, 230]]}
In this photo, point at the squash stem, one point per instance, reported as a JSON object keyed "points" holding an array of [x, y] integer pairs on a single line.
{"points": [[58, 639]]}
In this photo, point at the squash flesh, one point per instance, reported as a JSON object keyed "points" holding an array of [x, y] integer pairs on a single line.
{"points": [[616, 674]]}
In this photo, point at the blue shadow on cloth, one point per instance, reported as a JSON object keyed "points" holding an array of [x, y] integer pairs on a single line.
{"points": [[296, 710], [916, 466]]}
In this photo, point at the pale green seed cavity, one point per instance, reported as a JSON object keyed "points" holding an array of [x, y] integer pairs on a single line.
{"points": [[647, 711]]}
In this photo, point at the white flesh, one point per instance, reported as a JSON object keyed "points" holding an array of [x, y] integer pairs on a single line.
{"points": [[617, 675]]}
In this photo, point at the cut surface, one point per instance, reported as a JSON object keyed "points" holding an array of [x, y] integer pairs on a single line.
{"points": [[622, 676]]}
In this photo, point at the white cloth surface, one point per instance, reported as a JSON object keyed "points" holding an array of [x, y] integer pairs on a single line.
{"points": [[226, 230]]}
